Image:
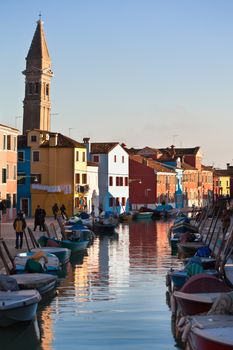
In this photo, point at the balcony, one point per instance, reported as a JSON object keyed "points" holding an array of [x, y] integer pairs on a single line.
{"points": [[82, 188]]}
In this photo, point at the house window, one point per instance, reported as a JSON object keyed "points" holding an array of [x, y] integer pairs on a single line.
{"points": [[117, 181], [35, 178], [30, 89], [110, 181], [35, 156], [20, 156], [4, 142], [77, 178], [33, 138], [3, 175], [117, 202], [111, 202], [15, 172], [84, 156], [14, 200], [21, 178], [8, 142], [47, 89], [123, 201], [123, 159], [36, 88], [84, 178], [121, 181], [126, 181], [96, 159], [77, 156], [115, 159]]}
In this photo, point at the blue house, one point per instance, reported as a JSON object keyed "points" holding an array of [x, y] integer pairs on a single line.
{"points": [[24, 176]]}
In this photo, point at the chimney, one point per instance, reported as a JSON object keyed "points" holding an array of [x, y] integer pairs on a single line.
{"points": [[53, 140], [228, 166], [87, 144]]}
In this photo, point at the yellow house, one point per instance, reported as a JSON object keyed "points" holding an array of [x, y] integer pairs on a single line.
{"points": [[58, 171], [224, 185]]}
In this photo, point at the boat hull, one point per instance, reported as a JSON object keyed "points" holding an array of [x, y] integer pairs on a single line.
{"points": [[199, 341]]}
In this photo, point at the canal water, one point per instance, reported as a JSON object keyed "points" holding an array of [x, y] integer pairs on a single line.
{"points": [[114, 297]]}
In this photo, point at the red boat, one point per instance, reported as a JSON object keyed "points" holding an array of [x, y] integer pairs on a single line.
{"points": [[212, 332], [198, 293]]}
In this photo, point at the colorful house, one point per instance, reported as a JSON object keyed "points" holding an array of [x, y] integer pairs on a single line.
{"points": [[113, 162], [8, 163], [150, 182], [57, 173], [24, 176]]}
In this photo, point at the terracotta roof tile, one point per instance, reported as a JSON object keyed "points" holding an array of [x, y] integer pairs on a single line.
{"points": [[102, 147]]}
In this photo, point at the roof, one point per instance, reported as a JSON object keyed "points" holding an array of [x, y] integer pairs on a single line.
{"points": [[151, 163], [186, 166], [62, 141], [171, 153], [92, 163], [9, 127], [38, 54], [223, 172], [102, 147], [207, 168]]}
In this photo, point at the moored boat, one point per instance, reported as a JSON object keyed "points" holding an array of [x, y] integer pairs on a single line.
{"points": [[43, 262], [18, 306], [212, 332]]}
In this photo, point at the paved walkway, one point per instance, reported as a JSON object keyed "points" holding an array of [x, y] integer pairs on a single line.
{"points": [[8, 234]]}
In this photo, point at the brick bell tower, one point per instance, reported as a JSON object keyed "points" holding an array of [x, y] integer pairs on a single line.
{"points": [[38, 73]]}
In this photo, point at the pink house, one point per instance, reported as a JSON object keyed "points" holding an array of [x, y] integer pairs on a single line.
{"points": [[8, 170]]}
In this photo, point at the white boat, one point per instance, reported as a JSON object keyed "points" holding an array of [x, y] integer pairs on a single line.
{"points": [[18, 306], [44, 283], [49, 262]]}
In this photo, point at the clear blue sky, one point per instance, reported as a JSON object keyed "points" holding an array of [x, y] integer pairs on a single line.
{"points": [[143, 72]]}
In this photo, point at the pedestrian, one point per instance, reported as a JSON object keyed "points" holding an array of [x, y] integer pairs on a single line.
{"points": [[42, 220], [55, 210], [63, 212], [19, 226], [37, 217]]}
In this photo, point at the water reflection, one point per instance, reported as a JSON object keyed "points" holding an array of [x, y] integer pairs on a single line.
{"points": [[115, 295], [20, 336]]}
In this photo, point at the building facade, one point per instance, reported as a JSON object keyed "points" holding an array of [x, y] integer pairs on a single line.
{"points": [[8, 163], [113, 165]]}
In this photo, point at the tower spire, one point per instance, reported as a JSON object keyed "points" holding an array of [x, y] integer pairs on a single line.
{"points": [[38, 75]]}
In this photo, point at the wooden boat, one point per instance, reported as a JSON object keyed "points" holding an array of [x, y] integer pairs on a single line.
{"points": [[48, 246], [125, 217], [212, 332], [18, 306], [143, 215], [73, 246], [63, 254], [104, 227], [49, 262], [180, 277], [198, 294], [44, 283], [187, 249]]}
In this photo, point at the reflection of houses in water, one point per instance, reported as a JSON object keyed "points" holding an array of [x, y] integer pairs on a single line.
{"points": [[46, 325], [142, 247], [148, 243]]}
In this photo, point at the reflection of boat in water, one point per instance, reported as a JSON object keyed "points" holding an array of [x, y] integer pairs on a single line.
{"points": [[21, 336]]}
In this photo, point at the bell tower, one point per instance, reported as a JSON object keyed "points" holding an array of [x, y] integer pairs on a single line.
{"points": [[38, 73]]}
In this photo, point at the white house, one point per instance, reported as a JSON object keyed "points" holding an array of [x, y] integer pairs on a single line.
{"points": [[93, 188], [113, 162]]}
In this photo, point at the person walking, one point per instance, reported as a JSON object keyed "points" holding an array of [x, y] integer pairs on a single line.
{"points": [[19, 226], [55, 210], [37, 217], [42, 220], [63, 212]]}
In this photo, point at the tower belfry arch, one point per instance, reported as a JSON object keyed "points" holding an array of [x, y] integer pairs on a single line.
{"points": [[38, 74]]}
